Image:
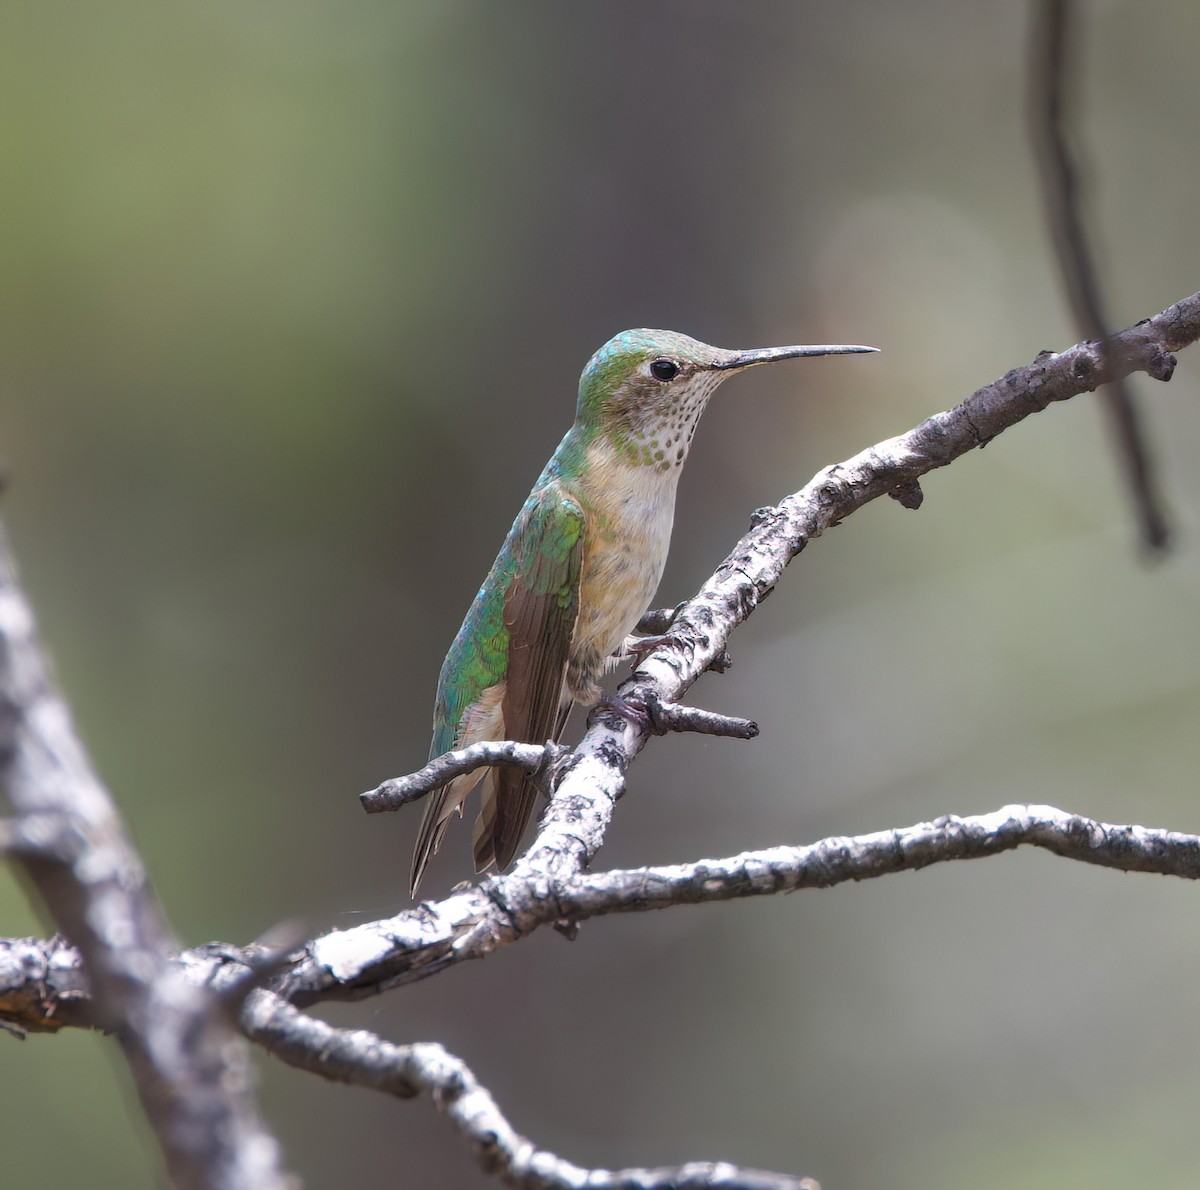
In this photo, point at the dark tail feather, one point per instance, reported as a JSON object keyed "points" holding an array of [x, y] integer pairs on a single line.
{"points": [[429, 838], [509, 799], [504, 817]]}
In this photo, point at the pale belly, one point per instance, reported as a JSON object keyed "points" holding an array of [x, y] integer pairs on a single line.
{"points": [[620, 576]]}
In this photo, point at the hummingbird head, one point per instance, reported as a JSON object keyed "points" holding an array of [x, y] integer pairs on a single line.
{"points": [[646, 389]]}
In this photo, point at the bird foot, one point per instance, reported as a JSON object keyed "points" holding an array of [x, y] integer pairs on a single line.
{"points": [[640, 647], [641, 712], [659, 619]]}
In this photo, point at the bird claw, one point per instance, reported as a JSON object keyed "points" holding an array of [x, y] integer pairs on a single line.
{"points": [[640, 647], [642, 712]]}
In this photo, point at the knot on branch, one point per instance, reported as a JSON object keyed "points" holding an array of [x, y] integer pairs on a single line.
{"points": [[908, 494], [1161, 365]]}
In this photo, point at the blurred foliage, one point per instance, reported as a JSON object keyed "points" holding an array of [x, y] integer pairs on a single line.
{"points": [[293, 297]]}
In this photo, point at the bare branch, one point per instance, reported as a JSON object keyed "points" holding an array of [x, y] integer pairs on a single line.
{"points": [[399, 791], [663, 717], [1055, 29], [539, 759], [363, 1059], [674, 716], [836, 860], [831, 861], [473, 923], [188, 1064]]}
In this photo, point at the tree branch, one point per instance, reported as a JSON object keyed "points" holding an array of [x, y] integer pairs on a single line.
{"points": [[399, 791], [363, 1059], [837, 860], [472, 924], [42, 986], [1055, 28], [188, 1065]]}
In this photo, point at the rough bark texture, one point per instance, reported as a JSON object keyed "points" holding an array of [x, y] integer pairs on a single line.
{"points": [[188, 1064]]}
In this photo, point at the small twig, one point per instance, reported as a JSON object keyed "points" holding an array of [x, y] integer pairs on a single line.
{"points": [[674, 716], [399, 791], [363, 1059], [1054, 32]]}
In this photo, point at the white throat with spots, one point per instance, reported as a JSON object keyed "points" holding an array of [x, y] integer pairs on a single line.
{"points": [[660, 433]]}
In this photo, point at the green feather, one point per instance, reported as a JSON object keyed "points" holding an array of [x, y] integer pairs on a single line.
{"points": [[537, 554]]}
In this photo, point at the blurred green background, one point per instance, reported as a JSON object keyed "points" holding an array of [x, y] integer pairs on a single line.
{"points": [[293, 301]]}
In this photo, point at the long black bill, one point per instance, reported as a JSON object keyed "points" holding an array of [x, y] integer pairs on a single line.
{"points": [[768, 355]]}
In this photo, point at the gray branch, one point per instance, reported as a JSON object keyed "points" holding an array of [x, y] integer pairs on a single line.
{"points": [[42, 984], [471, 924], [538, 759], [188, 1064], [363, 1059], [1128, 848], [399, 791]]}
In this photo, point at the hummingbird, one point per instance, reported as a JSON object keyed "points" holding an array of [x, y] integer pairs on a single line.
{"points": [[576, 572]]}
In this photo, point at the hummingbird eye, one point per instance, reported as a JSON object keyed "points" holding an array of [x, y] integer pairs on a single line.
{"points": [[664, 369]]}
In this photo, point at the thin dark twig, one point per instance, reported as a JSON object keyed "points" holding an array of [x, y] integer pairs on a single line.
{"points": [[1055, 31]]}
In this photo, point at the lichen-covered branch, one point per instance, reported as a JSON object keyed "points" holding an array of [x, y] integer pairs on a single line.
{"points": [[473, 923], [363, 1059], [187, 1062], [837, 860], [42, 986]]}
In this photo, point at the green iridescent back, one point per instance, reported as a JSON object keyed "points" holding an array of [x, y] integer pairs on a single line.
{"points": [[536, 554]]}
